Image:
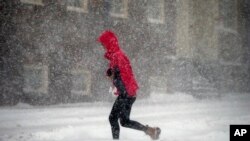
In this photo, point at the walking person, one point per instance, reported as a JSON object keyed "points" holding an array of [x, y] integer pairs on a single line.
{"points": [[122, 77]]}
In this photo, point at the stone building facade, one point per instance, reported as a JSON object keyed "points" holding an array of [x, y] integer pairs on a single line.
{"points": [[49, 52]]}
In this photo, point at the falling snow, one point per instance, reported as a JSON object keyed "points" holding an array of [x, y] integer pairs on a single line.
{"points": [[191, 59]]}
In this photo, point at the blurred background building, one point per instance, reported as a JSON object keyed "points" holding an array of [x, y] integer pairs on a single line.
{"points": [[49, 53]]}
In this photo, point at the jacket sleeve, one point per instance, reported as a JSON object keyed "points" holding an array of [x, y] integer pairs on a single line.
{"points": [[119, 84]]}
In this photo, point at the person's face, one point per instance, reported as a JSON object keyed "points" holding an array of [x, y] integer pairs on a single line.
{"points": [[103, 46], [111, 77]]}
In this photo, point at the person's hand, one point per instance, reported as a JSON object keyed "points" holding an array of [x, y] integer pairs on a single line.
{"points": [[113, 91]]}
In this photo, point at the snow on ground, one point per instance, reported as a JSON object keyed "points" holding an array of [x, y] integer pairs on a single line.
{"points": [[180, 116]]}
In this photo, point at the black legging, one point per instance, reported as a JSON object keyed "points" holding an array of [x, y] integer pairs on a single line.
{"points": [[121, 110]]}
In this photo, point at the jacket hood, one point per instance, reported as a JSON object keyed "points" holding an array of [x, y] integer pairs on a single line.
{"points": [[109, 41], [117, 58]]}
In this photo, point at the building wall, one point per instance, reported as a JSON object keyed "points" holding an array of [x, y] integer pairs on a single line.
{"points": [[50, 54], [209, 35], [10, 58]]}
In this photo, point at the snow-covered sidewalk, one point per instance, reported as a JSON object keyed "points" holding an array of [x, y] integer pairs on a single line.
{"points": [[180, 116]]}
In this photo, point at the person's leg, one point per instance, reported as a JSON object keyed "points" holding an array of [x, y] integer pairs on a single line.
{"points": [[113, 119], [153, 132], [125, 115]]}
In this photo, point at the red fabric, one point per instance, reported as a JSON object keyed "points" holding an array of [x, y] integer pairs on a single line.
{"points": [[117, 58]]}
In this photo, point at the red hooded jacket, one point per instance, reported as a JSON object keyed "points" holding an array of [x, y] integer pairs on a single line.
{"points": [[117, 58]]}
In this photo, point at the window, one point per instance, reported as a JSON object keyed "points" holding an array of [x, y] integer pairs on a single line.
{"points": [[77, 5], [81, 82], [230, 47], [155, 11], [35, 2], [119, 8], [229, 14], [35, 79]]}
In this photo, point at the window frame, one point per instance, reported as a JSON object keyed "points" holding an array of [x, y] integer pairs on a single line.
{"points": [[120, 15], [87, 82], [161, 19], [34, 2], [82, 9], [44, 87]]}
